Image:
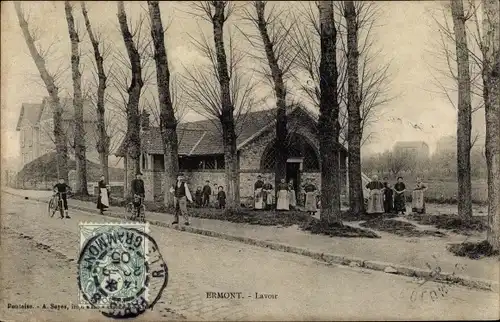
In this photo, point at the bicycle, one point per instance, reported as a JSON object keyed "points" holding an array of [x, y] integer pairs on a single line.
{"points": [[137, 213], [56, 204]]}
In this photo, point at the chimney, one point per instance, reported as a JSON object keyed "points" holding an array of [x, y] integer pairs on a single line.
{"points": [[145, 120]]}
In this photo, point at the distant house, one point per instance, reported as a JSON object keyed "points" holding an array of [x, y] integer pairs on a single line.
{"points": [[201, 155], [419, 149], [446, 144], [36, 127]]}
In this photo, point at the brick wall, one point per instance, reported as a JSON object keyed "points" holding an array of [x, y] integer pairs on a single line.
{"points": [[197, 179], [148, 177], [35, 185], [251, 154], [248, 179], [157, 184]]}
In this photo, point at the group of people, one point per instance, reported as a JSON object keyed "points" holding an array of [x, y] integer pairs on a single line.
{"points": [[384, 198], [286, 195], [204, 197], [180, 191], [62, 189]]}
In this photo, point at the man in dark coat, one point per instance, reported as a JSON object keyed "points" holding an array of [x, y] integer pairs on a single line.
{"points": [[181, 196], [207, 191], [137, 186]]}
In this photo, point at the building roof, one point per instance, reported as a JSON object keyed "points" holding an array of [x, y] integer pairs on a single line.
{"points": [[33, 112], [89, 113], [205, 137]]}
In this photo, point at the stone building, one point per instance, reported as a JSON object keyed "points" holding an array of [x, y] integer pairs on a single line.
{"points": [[36, 127], [418, 149], [201, 152]]}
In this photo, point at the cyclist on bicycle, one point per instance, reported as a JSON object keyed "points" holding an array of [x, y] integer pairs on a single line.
{"points": [[62, 190], [138, 190]]}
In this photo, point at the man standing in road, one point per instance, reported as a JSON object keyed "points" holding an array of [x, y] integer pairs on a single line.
{"points": [[137, 186], [181, 195], [62, 189]]}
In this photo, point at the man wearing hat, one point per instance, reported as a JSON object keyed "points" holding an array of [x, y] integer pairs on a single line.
{"points": [[181, 195], [138, 186], [138, 191]]}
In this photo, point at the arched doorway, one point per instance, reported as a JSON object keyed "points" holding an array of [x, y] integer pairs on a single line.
{"points": [[302, 157]]}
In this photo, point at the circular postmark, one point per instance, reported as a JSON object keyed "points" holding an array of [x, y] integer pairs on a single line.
{"points": [[121, 272]]}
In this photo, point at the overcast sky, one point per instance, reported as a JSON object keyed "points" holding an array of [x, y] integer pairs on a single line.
{"points": [[406, 35]]}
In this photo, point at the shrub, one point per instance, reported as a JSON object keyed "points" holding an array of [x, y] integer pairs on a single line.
{"points": [[473, 250], [400, 228], [316, 226], [451, 222]]}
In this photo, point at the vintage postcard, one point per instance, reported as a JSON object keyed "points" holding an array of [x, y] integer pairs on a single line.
{"points": [[250, 160]]}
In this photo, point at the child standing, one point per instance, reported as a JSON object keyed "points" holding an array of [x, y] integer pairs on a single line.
{"points": [[198, 197], [221, 197]]}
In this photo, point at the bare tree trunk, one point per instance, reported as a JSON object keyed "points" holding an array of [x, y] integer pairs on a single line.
{"points": [[126, 177], [491, 94], [328, 124], [168, 122], [354, 130], [464, 125], [59, 134], [227, 117], [132, 137], [104, 140], [79, 136], [280, 94]]}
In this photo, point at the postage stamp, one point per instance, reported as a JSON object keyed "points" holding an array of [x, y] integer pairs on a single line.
{"points": [[113, 265], [120, 269]]}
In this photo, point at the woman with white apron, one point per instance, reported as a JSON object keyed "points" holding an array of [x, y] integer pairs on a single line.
{"points": [[283, 202]]}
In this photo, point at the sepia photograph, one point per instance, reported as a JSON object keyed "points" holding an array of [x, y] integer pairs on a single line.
{"points": [[250, 160]]}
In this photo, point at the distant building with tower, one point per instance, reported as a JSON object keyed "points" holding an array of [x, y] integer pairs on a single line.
{"points": [[418, 149]]}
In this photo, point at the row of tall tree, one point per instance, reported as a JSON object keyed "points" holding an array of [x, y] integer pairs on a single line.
{"points": [[59, 133], [278, 36], [487, 39]]}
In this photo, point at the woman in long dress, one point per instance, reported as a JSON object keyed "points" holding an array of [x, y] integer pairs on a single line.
{"points": [[417, 197], [388, 198], [292, 198], [376, 200], [103, 194], [311, 192], [268, 195], [258, 194], [399, 196], [282, 202]]}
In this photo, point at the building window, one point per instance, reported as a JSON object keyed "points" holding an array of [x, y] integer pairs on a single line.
{"points": [[29, 136], [298, 147], [158, 162], [210, 163], [22, 138], [219, 160], [145, 158]]}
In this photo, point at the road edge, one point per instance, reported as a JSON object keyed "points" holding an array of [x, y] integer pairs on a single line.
{"points": [[391, 268]]}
